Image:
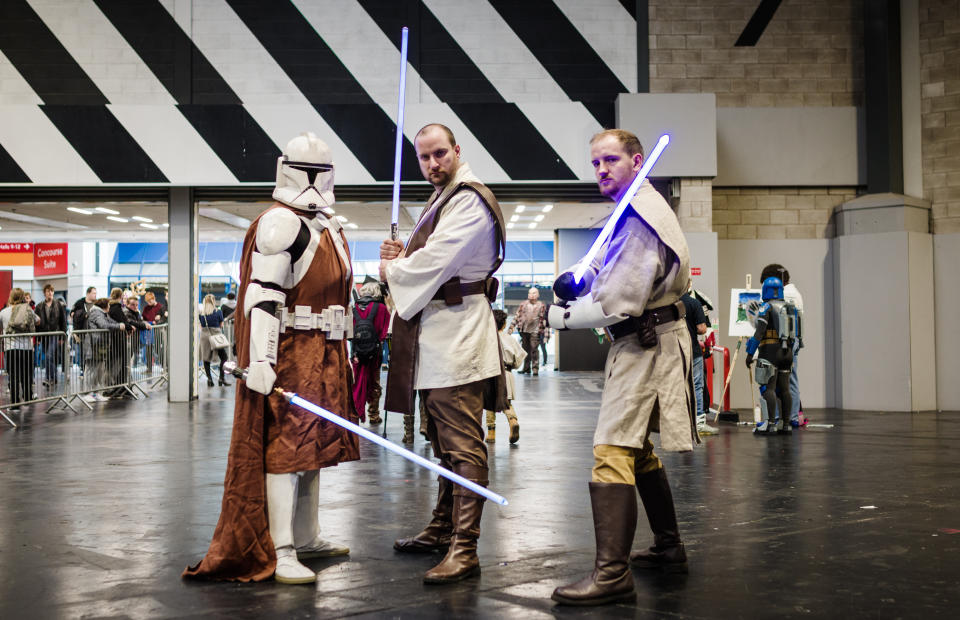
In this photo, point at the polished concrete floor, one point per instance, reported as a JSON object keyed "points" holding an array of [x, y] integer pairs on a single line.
{"points": [[101, 511]]}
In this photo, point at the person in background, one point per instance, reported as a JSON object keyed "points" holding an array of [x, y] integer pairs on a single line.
{"points": [[119, 358], [81, 309], [19, 318], [529, 320], [132, 310], [513, 356], [792, 295], [211, 322], [155, 314], [96, 347], [697, 324], [53, 318], [29, 300], [370, 321], [544, 338], [228, 305]]}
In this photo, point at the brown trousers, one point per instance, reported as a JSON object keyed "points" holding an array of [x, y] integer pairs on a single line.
{"points": [[455, 425]]}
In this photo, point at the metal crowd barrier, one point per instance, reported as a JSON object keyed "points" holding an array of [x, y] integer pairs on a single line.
{"points": [[80, 366]]}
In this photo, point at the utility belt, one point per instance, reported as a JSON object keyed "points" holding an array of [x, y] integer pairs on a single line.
{"points": [[453, 290], [335, 322], [645, 325]]}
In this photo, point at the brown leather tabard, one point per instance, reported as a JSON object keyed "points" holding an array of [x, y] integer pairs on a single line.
{"points": [[403, 354]]}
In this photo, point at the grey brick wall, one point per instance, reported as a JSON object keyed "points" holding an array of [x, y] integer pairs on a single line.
{"points": [[776, 212], [809, 55], [940, 92]]}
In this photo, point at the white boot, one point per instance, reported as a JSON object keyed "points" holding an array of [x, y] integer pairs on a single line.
{"points": [[281, 505], [306, 526], [703, 428]]}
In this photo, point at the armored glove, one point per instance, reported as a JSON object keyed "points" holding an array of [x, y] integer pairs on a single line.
{"points": [[567, 288], [749, 361], [260, 377]]}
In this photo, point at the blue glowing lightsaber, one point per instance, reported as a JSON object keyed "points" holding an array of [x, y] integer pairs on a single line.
{"points": [[291, 397], [621, 207], [395, 215]]}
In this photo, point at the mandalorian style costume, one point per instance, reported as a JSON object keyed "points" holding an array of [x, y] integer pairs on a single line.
{"points": [[291, 329], [778, 328]]}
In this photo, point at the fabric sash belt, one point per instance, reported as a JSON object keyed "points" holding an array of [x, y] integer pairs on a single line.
{"points": [[453, 291]]}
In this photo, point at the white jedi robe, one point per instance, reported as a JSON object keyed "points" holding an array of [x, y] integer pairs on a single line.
{"points": [[644, 265], [457, 344]]}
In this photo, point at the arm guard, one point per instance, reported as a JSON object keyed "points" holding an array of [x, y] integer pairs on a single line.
{"points": [[270, 275], [584, 312]]}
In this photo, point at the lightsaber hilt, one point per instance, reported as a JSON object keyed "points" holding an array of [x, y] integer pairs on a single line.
{"points": [[398, 152], [621, 207], [231, 367], [394, 231], [294, 399]]}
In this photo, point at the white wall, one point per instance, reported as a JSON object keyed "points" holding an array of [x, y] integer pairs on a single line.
{"points": [[703, 254], [84, 271], [946, 286], [810, 264]]}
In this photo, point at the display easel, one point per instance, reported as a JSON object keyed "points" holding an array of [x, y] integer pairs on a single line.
{"points": [[741, 328]]}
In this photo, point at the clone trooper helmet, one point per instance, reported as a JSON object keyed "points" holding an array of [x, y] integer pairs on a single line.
{"points": [[772, 289], [305, 174]]}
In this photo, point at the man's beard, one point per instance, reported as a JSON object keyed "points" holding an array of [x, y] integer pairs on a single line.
{"points": [[439, 178]]}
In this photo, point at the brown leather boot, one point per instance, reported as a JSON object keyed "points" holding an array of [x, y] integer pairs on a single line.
{"points": [[436, 536], [514, 426], [461, 560], [667, 553], [614, 523]]}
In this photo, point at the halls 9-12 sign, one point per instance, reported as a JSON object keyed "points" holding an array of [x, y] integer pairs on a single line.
{"points": [[49, 259]]}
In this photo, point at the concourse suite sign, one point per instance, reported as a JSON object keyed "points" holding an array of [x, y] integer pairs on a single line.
{"points": [[49, 259]]}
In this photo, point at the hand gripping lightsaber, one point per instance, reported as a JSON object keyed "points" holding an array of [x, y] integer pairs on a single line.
{"points": [[292, 398], [395, 215], [621, 207]]}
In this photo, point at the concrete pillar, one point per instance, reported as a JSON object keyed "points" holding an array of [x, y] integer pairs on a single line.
{"points": [[884, 312], [182, 297]]}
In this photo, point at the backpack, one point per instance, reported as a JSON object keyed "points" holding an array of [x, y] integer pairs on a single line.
{"points": [[366, 343], [21, 320], [788, 322], [79, 315]]}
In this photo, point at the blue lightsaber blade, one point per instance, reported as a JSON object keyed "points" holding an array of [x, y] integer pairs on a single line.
{"points": [[621, 207], [395, 215], [291, 397]]}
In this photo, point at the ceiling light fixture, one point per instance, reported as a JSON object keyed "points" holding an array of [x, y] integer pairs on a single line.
{"points": [[79, 210], [166, 225], [150, 226], [532, 225], [515, 218], [547, 208], [539, 218], [106, 210], [342, 219], [351, 225], [138, 218], [520, 209], [509, 224], [114, 218]]}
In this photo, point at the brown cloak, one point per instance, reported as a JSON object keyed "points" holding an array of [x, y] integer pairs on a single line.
{"points": [[270, 435]]}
